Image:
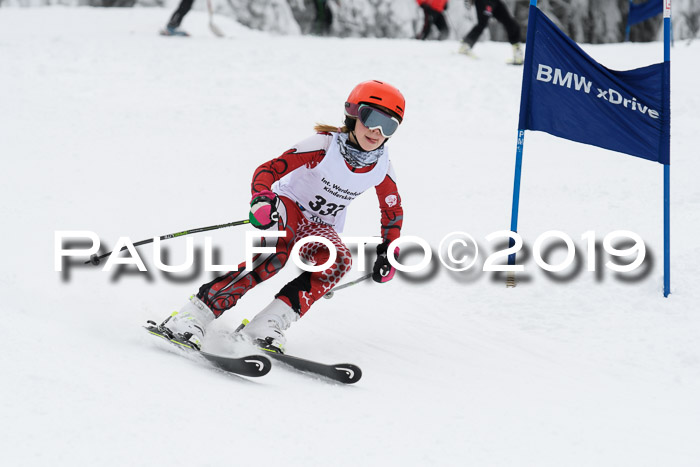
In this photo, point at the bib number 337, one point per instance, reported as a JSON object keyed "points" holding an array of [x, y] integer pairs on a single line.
{"points": [[324, 208]]}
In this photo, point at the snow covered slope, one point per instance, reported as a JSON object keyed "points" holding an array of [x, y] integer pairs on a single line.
{"points": [[106, 126]]}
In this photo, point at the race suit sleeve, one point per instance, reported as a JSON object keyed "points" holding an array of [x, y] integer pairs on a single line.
{"points": [[309, 153], [390, 207]]}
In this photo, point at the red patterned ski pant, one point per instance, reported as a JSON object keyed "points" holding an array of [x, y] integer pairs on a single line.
{"points": [[225, 291]]}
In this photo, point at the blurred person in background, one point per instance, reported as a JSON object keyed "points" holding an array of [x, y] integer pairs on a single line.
{"points": [[434, 14], [173, 26], [485, 10], [324, 18]]}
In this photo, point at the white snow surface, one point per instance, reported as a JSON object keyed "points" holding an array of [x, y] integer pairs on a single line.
{"points": [[106, 126]]}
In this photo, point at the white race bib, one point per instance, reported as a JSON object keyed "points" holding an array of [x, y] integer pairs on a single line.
{"points": [[324, 192]]}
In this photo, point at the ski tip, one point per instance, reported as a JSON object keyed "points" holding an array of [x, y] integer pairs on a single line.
{"points": [[348, 373], [251, 365], [259, 363]]}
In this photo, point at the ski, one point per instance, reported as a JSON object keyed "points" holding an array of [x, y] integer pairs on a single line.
{"points": [[345, 373], [250, 365]]}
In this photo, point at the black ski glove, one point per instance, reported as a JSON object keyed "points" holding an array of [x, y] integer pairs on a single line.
{"points": [[383, 271]]}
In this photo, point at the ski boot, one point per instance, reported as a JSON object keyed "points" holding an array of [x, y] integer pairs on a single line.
{"points": [[266, 330], [466, 49], [518, 55], [187, 326], [173, 31]]}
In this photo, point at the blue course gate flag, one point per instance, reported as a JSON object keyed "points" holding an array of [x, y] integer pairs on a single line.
{"points": [[568, 94], [641, 11]]}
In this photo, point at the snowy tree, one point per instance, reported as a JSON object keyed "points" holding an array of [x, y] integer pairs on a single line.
{"points": [[585, 21], [362, 18], [686, 22], [603, 21], [592, 21], [268, 15]]}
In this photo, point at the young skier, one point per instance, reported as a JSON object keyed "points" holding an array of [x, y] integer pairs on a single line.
{"points": [[304, 192]]}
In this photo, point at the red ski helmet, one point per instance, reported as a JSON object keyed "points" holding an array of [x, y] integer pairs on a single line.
{"points": [[375, 93]]}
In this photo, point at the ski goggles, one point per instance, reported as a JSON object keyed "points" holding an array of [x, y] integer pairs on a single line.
{"points": [[373, 118]]}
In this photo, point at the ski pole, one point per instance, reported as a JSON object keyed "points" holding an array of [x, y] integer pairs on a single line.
{"points": [[451, 25], [94, 259], [347, 284], [214, 29]]}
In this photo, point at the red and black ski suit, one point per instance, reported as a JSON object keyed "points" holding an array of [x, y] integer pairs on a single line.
{"points": [[225, 291], [434, 14]]}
